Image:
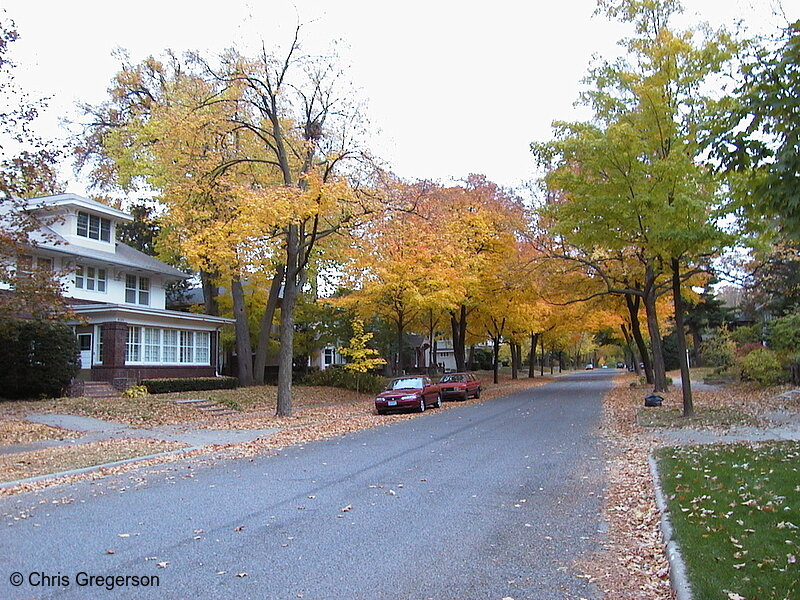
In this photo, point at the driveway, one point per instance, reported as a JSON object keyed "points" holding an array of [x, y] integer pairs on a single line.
{"points": [[493, 500]]}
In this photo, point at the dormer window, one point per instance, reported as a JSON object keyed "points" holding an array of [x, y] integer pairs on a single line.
{"points": [[94, 227]]}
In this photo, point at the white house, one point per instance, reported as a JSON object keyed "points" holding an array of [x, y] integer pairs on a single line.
{"points": [[118, 294]]}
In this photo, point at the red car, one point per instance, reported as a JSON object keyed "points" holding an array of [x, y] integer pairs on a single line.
{"points": [[460, 386], [414, 392]]}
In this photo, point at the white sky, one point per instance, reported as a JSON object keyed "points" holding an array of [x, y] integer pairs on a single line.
{"points": [[453, 86]]}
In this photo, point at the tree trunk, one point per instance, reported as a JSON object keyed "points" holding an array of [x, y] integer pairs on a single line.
{"points": [[633, 303], [686, 384], [541, 362], [244, 350], [459, 328], [514, 363], [659, 373], [495, 358], [399, 339], [286, 353], [630, 355], [210, 293], [697, 342], [266, 326], [532, 357]]}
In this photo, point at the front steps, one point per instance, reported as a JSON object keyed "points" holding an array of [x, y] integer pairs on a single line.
{"points": [[207, 406]]}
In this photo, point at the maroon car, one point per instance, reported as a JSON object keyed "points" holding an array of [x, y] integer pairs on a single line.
{"points": [[460, 386], [414, 392]]}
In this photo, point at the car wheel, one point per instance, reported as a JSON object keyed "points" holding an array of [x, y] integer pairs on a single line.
{"points": [[438, 403], [466, 396], [477, 393], [422, 404]]}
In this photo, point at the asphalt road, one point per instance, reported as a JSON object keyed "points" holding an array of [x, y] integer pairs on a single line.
{"points": [[489, 501]]}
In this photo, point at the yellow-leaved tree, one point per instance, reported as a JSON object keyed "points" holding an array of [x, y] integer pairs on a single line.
{"points": [[250, 158]]}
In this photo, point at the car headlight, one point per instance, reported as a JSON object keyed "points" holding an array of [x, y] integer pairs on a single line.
{"points": [[409, 397]]}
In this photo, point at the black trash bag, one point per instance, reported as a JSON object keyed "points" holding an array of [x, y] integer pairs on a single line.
{"points": [[653, 400]]}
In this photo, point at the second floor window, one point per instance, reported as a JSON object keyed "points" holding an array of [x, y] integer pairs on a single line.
{"points": [[89, 278], [137, 290], [27, 264], [94, 227]]}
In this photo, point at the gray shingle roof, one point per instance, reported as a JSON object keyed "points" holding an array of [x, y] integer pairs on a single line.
{"points": [[124, 255]]}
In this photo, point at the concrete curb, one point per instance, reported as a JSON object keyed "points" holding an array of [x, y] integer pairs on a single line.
{"points": [[127, 461], [677, 568]]}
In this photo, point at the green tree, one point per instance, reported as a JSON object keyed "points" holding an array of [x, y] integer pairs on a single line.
{"points": [[637, 206], [757, 135]]}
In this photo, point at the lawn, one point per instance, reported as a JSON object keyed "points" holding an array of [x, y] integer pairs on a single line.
{"points": [[736, 513]]}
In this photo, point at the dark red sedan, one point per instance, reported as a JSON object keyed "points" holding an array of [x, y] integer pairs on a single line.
{"points": [[415, 392], [460, 386]]}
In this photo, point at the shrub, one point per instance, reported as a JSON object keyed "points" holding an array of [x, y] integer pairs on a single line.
{"points": [[746, 335], [763, 366], [188, 384], [719, 351], [135, 391], [229, 402], [39, 358], [365, 382], [784, 335]]}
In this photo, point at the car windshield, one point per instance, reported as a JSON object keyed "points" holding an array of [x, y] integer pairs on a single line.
{"points": [[451, 378], [407, 383]]}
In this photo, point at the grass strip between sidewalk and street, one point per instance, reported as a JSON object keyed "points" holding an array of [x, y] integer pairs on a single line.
{"points": [[66, 458], [736, 516]]}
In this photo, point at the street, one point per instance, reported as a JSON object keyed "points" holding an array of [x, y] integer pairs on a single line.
{"points": [[488, 501]]}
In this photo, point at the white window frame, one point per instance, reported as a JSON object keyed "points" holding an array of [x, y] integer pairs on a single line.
{"points": [[93, 227], [137, 290], [133, 345], [91, 279], [165, 346]]}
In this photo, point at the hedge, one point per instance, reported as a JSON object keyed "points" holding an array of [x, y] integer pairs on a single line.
{"points": [[341, 378], [39, 358], [188, 384]]}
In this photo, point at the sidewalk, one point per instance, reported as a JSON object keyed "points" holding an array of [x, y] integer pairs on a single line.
{"points": [[95, 430]]}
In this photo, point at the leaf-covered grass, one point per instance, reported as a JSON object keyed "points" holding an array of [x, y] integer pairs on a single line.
{"points": [[736, 514], [671, 418], [13, 432], [55, 460]]}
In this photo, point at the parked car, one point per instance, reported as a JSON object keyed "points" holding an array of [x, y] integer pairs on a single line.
{"points": [[589, 366], [415, 392], [460, 386], [620, 365]]}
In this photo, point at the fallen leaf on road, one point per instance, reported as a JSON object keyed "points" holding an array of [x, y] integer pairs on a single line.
{"points": [[163, 565], [239, 528], [241, 574], [110, 552], [347, 508], [124, 535]]}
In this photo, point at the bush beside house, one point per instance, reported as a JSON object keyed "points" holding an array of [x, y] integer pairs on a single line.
{"points": [[39, 358]]}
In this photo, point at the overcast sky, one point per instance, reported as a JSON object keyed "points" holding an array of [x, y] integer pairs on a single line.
{"points": [[453, 87]]}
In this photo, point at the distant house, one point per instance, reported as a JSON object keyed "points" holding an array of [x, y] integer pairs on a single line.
{"points": [[118, 294]]}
